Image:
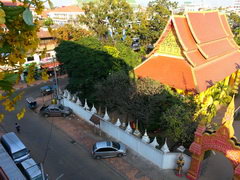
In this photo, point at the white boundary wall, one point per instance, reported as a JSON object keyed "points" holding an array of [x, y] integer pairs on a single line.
{"points": [[161, 159]]}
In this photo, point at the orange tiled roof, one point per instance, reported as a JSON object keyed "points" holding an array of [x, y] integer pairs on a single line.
{"points": [[10, 3], [210, 53], [44, 34], [67, 9]]}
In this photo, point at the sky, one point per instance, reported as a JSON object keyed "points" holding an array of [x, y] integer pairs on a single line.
{"points": [[212, 3]]}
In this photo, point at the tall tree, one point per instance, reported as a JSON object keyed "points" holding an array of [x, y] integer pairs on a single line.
{"points": [[69, 33], [107, 18], [148, 25], [234, 20], [87, 62], [18, 38]]}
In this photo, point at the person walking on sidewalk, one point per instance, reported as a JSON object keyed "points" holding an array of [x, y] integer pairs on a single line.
{"points": [[17, 126]]}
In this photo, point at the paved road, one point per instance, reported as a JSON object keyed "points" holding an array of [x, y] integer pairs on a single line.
{"points": [[61, 158]]}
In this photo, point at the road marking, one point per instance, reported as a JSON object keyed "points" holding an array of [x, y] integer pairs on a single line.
{"points": [[60, 176]]}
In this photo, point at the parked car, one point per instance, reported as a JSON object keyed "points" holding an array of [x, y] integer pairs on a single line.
{"points": [[105, 149], [32, 170], [55, 110], [8, 166], [15, 147], [46, 90]]}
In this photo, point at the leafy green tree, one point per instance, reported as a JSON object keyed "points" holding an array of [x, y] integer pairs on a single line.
{"points": [[69, 33], [115, 92], [156, 107], [178, 120], [149, 25], [107, 17], [18, 39], [48, 22], [120, 50], [86, 63], [234, 21]]}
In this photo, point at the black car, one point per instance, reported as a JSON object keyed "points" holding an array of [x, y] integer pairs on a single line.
{"points": [[55, 110]]}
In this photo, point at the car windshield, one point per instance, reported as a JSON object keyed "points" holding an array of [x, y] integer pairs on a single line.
{"points": [[20, 153], [116, 145], [61, 107]]}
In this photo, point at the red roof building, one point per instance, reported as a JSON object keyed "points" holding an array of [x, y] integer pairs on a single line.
{"points": [[194, 51]]}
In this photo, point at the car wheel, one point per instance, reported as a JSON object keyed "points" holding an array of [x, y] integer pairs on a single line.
{"points": [[120, 155], [46, 115], [98, 157]]}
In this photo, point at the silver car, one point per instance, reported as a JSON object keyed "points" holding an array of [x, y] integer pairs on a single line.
{"points": [[105, 149], [55, 110]]}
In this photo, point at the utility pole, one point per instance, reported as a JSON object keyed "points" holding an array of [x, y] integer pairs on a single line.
{"points": [[55, 77]]}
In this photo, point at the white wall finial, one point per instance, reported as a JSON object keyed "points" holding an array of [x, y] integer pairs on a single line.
{"points": [[79, 102], [69, 96], [93, 110], [145, 137], [154, 143], [129, 128], [165, 148], [60, 91], [106, 116], [86, 107], [74, 98], [118, 123], [65, 95], [137, 132]]}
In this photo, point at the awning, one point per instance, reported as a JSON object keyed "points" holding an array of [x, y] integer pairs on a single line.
{"points": [[50, 65]]}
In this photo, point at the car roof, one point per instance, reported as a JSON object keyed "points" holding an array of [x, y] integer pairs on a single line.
{"points": [[46, 87], [103, 144], [30, 99], [8, 165], [53, 105], [16, 143], [31, 167]]}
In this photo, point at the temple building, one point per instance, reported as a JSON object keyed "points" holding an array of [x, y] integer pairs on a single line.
{"points": [[195, 51]]}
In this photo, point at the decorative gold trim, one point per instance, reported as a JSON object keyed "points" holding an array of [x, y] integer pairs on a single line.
{"points": [[165, 31], [177, 32], [188, 59], [195, 80]]}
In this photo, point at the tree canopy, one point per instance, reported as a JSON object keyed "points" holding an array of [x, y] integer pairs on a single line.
{"points": [[87, 62], [107, 18], [68, 32], [18, 38], [156, 107], [148, 26]]}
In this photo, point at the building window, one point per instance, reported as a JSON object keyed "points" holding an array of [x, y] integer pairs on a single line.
{"points": [[30, 58], [48, 55]]}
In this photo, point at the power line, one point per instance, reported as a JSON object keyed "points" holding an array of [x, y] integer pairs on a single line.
{"points": [[49, 138]]}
